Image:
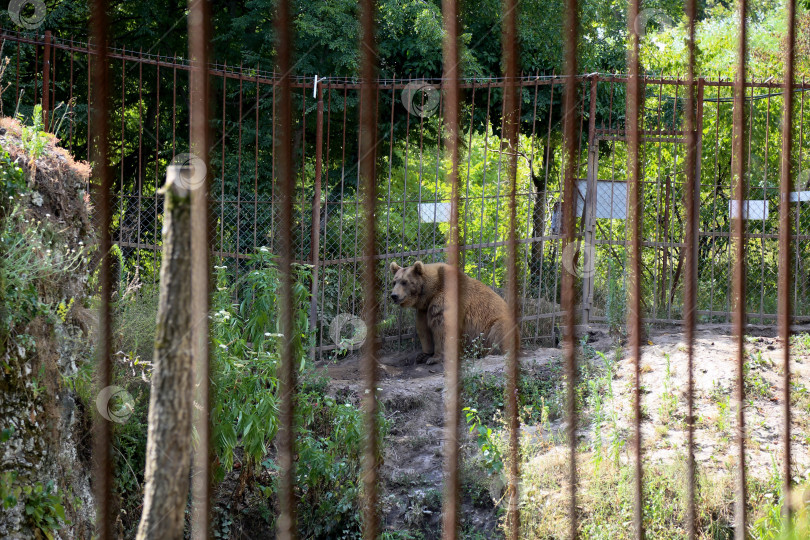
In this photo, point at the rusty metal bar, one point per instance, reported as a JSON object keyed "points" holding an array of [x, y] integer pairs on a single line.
{"points": [[121, 158], [222, 172], [511, 104], [98, 142], [315, 239], [326, 187], [140, 159], [452, 313], [571, 158], [484, 180], [157, 178], [238, 247], [70, 103], [46, 77], [282, 145], [256, 170], [633, 108], [388, 276], [692, 198], [368, 177], [303, 146], [200, 143], [785, 232], [738, 165]]}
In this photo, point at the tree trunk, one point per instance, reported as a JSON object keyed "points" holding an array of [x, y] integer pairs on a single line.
{"points": [[168, 446]]}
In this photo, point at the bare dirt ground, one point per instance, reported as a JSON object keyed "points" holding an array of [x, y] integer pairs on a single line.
{"points": [[413, 403]]}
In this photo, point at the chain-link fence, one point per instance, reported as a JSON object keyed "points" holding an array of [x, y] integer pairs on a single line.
{"points": [[150, 129]]}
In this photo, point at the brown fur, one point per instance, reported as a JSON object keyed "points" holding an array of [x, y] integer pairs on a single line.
{"points": [[483, 313]]}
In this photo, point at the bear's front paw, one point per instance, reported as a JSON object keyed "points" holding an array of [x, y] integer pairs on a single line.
{"points": [[434, 360]]}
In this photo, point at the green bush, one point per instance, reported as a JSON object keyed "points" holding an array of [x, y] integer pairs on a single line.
{"points": [[245, 355]]}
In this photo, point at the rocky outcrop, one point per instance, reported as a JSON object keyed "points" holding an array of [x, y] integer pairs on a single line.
{"points": [[44, 340]]}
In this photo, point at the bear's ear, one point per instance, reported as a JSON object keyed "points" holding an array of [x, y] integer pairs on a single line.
{"points": [[418, 267], [394, 267]]}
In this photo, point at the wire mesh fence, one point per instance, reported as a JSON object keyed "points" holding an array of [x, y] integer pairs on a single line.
{"points": [[149, 130]]}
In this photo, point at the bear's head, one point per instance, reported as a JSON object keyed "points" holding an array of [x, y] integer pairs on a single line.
{"points": [[408, 283]]}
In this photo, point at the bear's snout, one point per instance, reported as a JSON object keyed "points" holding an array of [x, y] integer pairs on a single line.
{"points": [[394, 297]]}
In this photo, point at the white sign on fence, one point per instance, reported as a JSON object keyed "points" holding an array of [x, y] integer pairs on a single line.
{"points": [[434, 212], [611, 199], [800, 196], [751, 210]]}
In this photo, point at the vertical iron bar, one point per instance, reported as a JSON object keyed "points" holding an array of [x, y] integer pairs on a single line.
{"points": [[590, 202], [452, 409], [388, 196], [46, 76], [785, 233], [140, 163], [174, 106], [547, 164], [17, 77], [367, 169], [569, 209], [256, 169], [692, 197], [238, 248], [634, 222], [404, 207], [303, 160], [98, 141], [484, 181], [273, 168], [338, 307], [738, 237], [765, 189], [52, 99], [222, 249], [512, 101], [463, 239], [315, 240], [70, 100], [157, 178], [797, 257], [326, 202], [200, 139], [122, 200]]}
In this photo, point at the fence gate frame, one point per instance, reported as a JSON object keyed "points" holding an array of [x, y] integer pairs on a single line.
{"points": [[596, 135]]}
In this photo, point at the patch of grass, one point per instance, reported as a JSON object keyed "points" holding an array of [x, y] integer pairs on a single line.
{"points": [[669, 400], [540, 387], [605, 498], [755, 384], [800, 346]]}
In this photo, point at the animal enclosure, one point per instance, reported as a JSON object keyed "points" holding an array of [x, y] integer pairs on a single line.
{"points": [[581, 198], [150, 128]]}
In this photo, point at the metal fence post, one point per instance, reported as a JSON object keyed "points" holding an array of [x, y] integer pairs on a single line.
{"points": [[46, 70], [589, 209], [315, 239]]}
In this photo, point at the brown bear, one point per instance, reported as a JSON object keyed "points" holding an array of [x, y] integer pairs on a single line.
{"points": [[483, 313]]}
